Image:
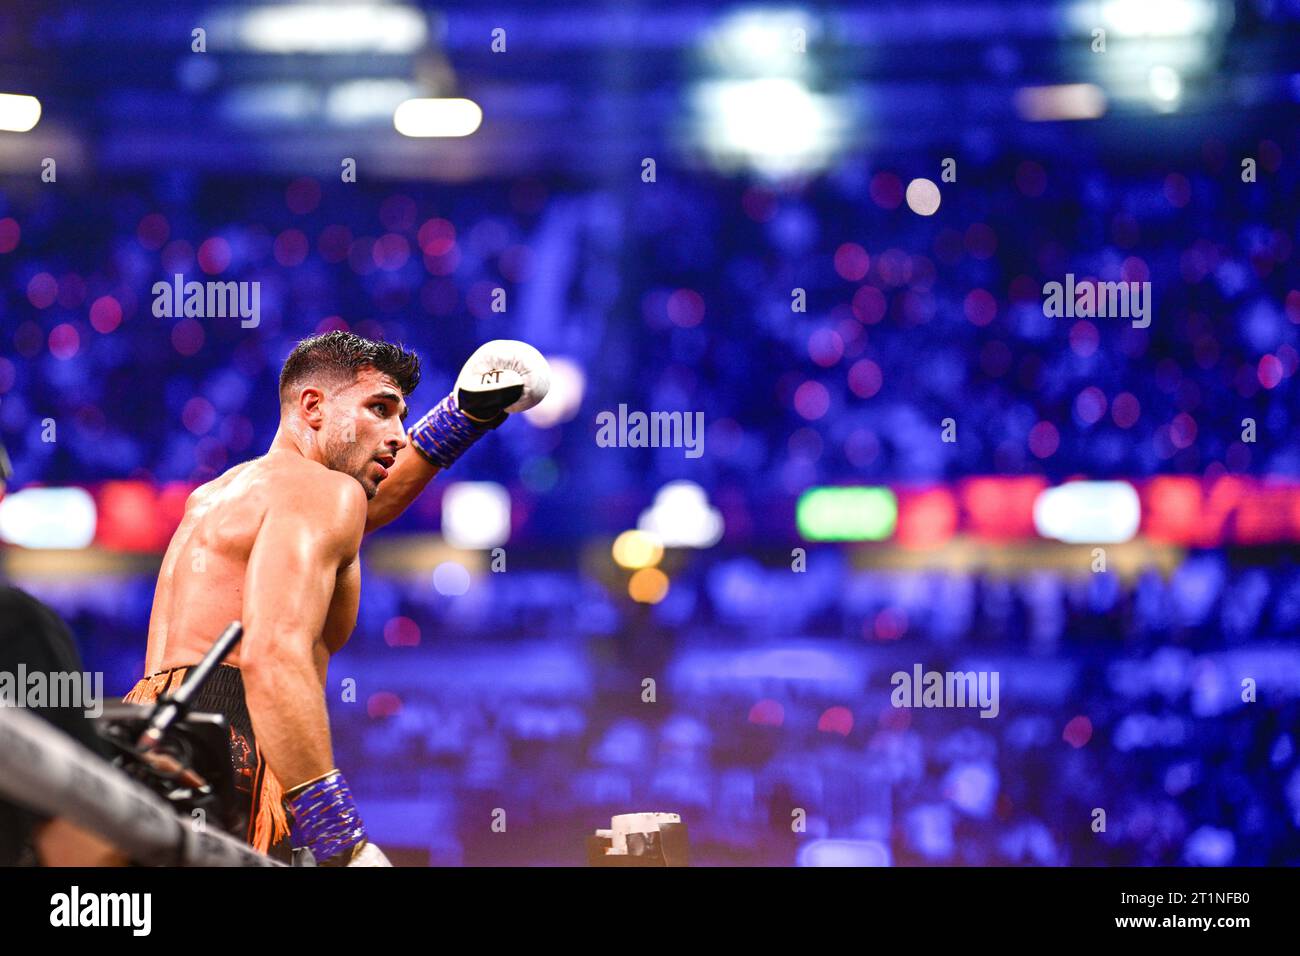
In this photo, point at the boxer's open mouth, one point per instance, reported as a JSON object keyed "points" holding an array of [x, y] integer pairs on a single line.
{"points": [[384, 464]]}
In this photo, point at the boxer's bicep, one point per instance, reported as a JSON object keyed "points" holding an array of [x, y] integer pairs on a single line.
{"points": [[408, 477], [292, 572]]}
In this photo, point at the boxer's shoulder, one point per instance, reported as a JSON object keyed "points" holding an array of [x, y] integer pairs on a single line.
{"points": [[312, 490], [204, 493]]}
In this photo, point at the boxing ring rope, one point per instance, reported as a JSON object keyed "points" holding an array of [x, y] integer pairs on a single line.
{"points": [[47, 771]]}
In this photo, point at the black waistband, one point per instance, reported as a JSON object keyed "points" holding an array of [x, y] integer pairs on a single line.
{"points": [[222, 693], [225, 679], [223, 673]]}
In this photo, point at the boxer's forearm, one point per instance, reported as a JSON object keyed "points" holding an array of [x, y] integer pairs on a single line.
{"points": [[287, 706], [405, 481], [61, 842], [500, 378], [437, 439]]}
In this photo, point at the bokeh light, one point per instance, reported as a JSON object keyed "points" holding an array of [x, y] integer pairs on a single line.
{"points": [[648, 586], [451, 579], [637, 549], [923, 197], [105, 314]]}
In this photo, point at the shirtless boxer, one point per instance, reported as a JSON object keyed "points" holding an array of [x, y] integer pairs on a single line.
{"points": [[273, 543]]}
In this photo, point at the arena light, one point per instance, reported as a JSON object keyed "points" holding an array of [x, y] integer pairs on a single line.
{"points": [[1171, 506], [451, 579], [363, 101], [475, 515], [926, 517], [761, 43], [923, 197], [48, 518], [1154, 49], [648, 586], [760, 105], [18, 112], [427, 117], [1064, 101], [774, 125], [847, 514], [331, 28], [1000, 508], [637, 549], [1157, 18], [682, 517], [1166, 87], [130, 518], [839, 853], [1268, 515], [568, 385], [1089, 512]]}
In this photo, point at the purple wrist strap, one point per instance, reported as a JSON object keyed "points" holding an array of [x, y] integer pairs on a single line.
{"points": [[325, 818], [444, 433]]}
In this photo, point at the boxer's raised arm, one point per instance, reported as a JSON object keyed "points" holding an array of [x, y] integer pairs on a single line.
{"points": [[303, 543], [406, 479], [501, 377]]}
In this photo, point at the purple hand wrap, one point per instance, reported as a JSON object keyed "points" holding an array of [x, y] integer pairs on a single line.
{"points": [[325, 818], [444, 433]]}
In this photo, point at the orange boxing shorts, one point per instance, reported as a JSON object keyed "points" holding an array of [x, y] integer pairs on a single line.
{"points": [[259, 791]]}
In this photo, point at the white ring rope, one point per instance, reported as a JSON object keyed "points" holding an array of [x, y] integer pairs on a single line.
{"points": [[49, 772]]}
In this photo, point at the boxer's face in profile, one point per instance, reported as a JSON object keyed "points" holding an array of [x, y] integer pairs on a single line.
{"points": [[362, 430]]}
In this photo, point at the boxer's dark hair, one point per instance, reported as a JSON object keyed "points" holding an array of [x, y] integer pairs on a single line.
{"points": [[339, 356]]}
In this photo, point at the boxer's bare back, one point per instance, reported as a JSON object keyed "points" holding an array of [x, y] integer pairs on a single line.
{"points": [[202, 578]]}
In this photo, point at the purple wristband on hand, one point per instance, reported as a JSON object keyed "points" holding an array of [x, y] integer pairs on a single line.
{"points": [[325, 819], [445, 432]]}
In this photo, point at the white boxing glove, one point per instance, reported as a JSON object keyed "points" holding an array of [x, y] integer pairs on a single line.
{"points": [[502, 376], [369, 855]]}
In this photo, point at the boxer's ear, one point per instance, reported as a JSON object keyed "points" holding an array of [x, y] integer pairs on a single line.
{"points": [[311, 404]]}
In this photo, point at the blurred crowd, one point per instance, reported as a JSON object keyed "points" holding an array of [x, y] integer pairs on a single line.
{"points": [[826, 332], [1169, 704]]}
